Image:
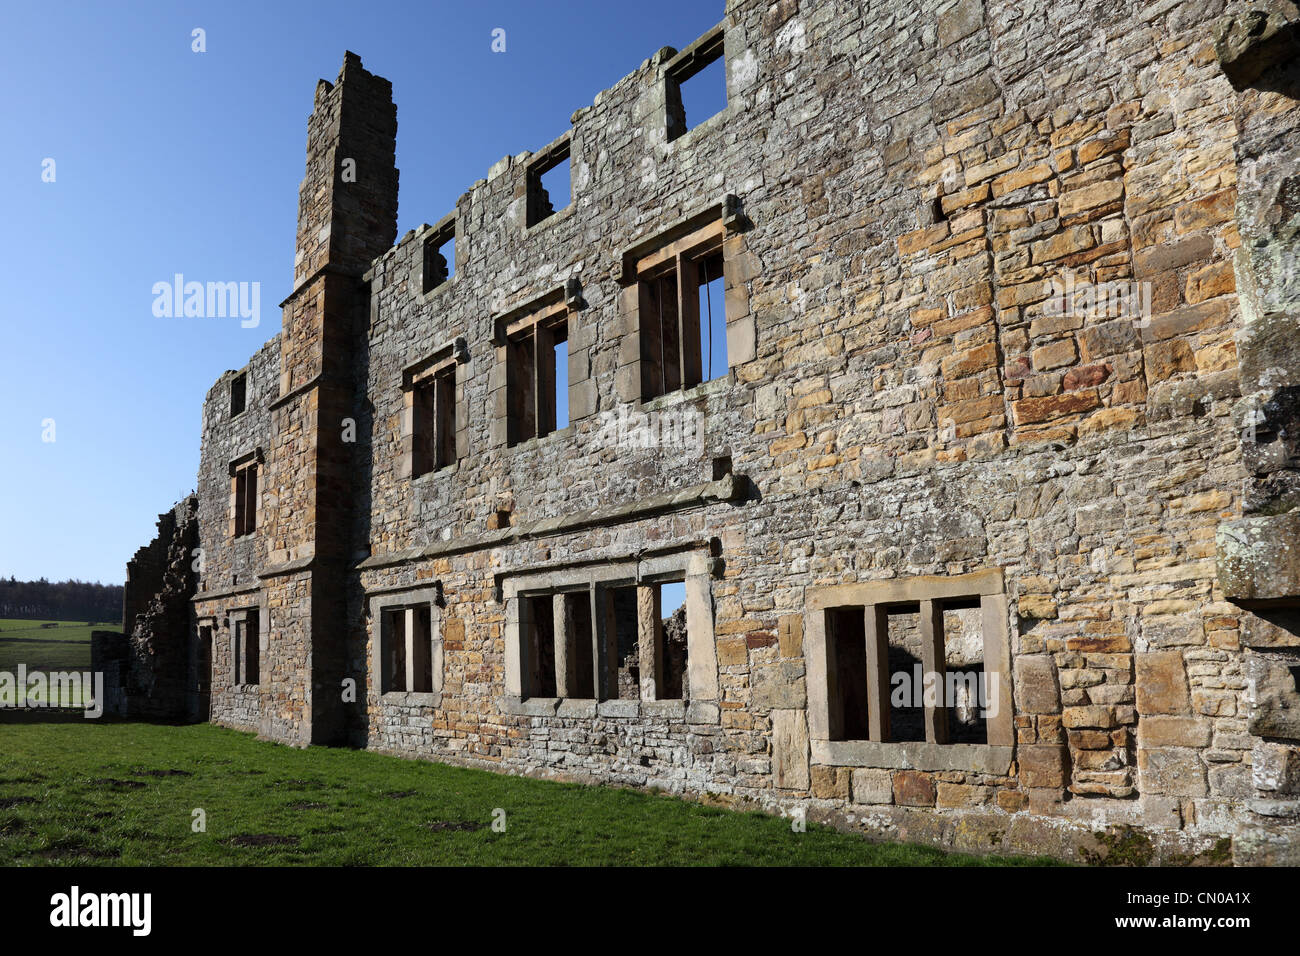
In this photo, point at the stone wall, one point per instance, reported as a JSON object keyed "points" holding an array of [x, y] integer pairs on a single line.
{"points": [[148, 670], [893, 197]]}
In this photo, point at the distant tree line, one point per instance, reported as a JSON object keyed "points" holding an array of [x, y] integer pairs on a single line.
{"points": [[60, 600]]}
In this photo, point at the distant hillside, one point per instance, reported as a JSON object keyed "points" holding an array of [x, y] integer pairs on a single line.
{"points": [[60, 600]]}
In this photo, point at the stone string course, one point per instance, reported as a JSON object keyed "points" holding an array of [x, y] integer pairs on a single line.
{"points": [[903, 400]]}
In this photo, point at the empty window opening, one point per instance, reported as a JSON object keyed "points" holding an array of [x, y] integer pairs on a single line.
{"points": [[911, 667], [661, 352], [203, 660], [682, 322], [537, 381], [540, 676], [965, 692], [549, 185], [245, 491], [906, 679], [713, 319], [238, 394], [624, 615], [846, 673], [560, 396], [406, 653], [575, 632], [434, 421], [672, 613], [246, 648], [697, 88], [649, 621], [636, 650], [439, 257]]}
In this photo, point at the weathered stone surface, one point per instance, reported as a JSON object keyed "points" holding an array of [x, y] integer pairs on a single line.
{"points": [[1156, 731], [1259, 557], [872, 786], [1161, 683], [1252, 43], [1043, 766], [1036, 687], [790, 749], [1275, 699], [912, 789], [1171, 771]]}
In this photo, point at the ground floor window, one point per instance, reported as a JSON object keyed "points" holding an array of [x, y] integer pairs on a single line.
{"points": [[916, 660], [635, 631]]}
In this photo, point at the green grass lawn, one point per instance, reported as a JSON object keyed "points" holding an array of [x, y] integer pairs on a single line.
{"points": [[116, 793], [64, 647]]}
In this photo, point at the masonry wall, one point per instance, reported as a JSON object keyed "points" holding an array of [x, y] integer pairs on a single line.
{"points": [[903, 404]]}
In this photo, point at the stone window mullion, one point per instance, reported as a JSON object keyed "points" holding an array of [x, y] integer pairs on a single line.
{"points": [[688, 322], [876, 629], [566, 649], [932, 666], [409, 638], [650, 641]]}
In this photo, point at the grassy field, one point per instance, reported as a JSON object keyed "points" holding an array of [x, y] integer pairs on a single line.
{"points": [[125, 794], [63, 647]]}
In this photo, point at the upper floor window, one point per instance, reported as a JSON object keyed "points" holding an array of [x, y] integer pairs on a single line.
{"points": [[677, 334], [537, 374], [549, 183], [695, 84], [439, 256], [435, 420], [244, 497], [434, 430], [238, 393]]}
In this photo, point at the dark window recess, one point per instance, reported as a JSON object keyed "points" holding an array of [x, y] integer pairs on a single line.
{"points": [[246, 648], [406, 654], [580, 677], [683, 325], [549, 184], [936, 696], [537, 381], [434, 425], [246, 500], [696, 87], [238, 394], [847, 673], [541, 648], [439, 257]]}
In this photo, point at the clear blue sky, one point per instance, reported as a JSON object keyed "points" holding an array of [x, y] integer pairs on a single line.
{"points": [[172, 161]]}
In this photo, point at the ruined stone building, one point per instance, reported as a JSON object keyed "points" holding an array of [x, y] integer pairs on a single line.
{"points": [[997, 397]]}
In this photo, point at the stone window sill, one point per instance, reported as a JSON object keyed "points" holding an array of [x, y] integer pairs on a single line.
{"points": [[427, 297], [430, 476], [694, 712], [913, 755], [403, 698], [700, 131], [555, 217], [713, 386], [246, 688], [558, 434]]}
